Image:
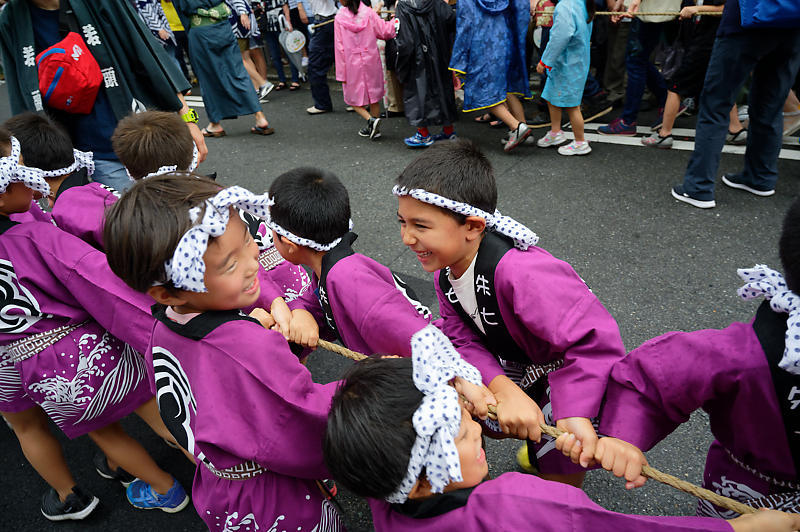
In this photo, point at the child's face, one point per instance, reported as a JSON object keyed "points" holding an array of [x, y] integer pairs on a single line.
{"points": [[231, 272], [470, 453], [436, 237], [17, 198]]}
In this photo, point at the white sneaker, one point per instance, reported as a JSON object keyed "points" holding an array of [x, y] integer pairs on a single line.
{"points": [[575, 148], [552, 139], [530, 141], [264, 91], [314, 111], [517, 136]]}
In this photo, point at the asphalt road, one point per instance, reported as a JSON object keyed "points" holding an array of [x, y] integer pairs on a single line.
{"points": [[658, 265]]}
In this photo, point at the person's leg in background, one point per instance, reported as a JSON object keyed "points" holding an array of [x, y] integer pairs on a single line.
{"points": [[274, 47], [111, 173], [320, 59], [614, 72]]}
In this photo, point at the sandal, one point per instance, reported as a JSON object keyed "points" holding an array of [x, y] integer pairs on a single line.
{"points": [[215, 134], [280, 86], [496, 124], [294, 86], [482, 119], [258, 130]]}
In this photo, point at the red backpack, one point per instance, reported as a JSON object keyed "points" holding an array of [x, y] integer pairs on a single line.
{"points": [[69, 76]]}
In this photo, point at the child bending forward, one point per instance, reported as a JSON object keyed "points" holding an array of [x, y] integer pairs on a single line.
{"points": [[229, 390], [427, 472]]}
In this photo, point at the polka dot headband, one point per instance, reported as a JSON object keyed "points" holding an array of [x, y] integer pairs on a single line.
{"points": [[522, 236], [186, 268], [173, 167], [438, 418], [764, 281], [13, 172], [299, 240]]}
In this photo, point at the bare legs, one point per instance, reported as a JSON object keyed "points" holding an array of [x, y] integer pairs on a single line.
{"points": [[255, 77], [41, 449], [575, 119], [672, 106], [374, 111], [510, 112]]}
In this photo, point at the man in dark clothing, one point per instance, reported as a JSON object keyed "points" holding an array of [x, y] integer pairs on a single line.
{"points": [[137, 73]]}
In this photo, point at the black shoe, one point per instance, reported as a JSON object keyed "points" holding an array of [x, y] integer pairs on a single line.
{"points": [[101, 465], [595, 107], [540, 120], [395, 114], [78, 505], [366, 131]]}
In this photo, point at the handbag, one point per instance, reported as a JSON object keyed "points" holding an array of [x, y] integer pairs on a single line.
{"points": [[770, 13], [673, 56]]}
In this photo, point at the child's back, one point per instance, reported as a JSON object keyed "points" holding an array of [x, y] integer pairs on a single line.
{"points": [[567, 54]]}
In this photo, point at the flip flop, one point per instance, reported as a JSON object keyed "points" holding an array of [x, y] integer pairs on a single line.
{"points": [[280, 86], [207, 133], [257, 130], [294, 86], [496, 124], [482, 119]]}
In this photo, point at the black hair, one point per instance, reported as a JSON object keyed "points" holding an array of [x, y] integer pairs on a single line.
{"points": [[5, 142], [352, 5], [789, 247], [45, 144], [456, 170], [370, 432], [311, 203], [143, 228], [146, 141]]}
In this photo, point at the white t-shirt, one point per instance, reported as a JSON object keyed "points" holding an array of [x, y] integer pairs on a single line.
{"points": [[464, 288], [323, 8]]}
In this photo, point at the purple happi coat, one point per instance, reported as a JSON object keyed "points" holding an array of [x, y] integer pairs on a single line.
{"points": [[234, 395], [87, 378], [80, 206], [369, 307], [725, 372], [515, 501], [551, 315], [34, 214]]}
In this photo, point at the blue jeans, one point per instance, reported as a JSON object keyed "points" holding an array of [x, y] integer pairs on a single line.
{"points": [[111, 173], [320, 59], [642, 40], [271, 40], [774, 58]]}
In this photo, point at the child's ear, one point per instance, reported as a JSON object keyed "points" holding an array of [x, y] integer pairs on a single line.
{"points": [[291, 247], [475, 227], [164, 296], [421, 489]]}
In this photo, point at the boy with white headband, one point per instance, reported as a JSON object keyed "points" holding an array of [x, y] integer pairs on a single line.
{"points": [[367, 306], [746, 377], [511, 309], [61, 305], [230, 391], [428, 473]]}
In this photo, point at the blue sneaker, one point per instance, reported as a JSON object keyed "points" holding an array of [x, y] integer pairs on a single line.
{"points": [[418, 141], [681, 195], [618, 127], [142, 496], [444, 136]]}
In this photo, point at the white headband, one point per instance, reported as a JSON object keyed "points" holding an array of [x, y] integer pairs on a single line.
{"points": [[299, 240], [173, 167], [186, 268], [764, 281], [81, 159], [522, 236], [13, 172], [438, 418]]}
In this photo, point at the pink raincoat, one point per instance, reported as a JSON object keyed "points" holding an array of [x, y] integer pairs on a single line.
{"points": [[358, 62]]}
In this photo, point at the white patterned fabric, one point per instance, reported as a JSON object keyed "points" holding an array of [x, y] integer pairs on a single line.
{"points": [[299, 240], [13, 172], [764, 281], [438, 418], [186, 268], [522, 236], [81, 159], [173, 167]]}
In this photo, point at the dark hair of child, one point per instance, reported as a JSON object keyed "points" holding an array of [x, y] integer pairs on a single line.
{"points": [[370, 432], [789, 247], [144, 142], [456, 170], [311, 203], [591, 8], [44, 143], [5, 142], [143, 228], [352, 5]]}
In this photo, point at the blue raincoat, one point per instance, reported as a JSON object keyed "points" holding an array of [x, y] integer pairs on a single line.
{"points": [[567, 54], [489, 50]]}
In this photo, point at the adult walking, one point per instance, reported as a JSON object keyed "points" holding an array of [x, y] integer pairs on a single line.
{"points": [[773, 56], [136, 72], [217, 62], [321, 56]]}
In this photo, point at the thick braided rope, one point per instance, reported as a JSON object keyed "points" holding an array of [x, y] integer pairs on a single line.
{"points": [[647, 471], [641, 14]]}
